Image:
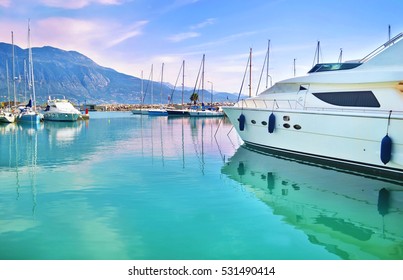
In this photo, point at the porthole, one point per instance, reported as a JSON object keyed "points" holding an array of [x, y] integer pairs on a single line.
{"points": [[297, 126], [253, 121], [286, 118], [264, 122], [286, 125]]}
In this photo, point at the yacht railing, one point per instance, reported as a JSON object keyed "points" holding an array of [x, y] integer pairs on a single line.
{"points": [[288, 104], [272, 104], [382, 48]]}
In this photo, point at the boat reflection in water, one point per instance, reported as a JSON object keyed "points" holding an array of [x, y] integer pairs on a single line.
{"points": [[351, 215]]}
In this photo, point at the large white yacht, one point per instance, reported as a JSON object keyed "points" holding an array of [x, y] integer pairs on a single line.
{"points": [[347, 113], [61, 110]]}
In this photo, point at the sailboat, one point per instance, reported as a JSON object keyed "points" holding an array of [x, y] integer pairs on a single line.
{"points": [[28, 113], [140, 110], [7, 115], [158, 111], [203, 112], [182, 111]]}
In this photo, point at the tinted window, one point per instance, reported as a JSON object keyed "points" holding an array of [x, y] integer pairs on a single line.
{"points": [[349, 98], [322, 67]]}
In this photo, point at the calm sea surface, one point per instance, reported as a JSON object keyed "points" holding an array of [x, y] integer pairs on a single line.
{"points": [[121, 186]]}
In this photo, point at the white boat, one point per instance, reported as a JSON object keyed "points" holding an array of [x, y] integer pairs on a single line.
{"points": [[7, 116], [142, 111], [182, 112], [28, 114], [61, 110], [157, 112], [346, 113], [206, 113], [161, 111]]}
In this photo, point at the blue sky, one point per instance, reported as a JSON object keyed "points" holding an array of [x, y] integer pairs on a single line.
{"points": [[130, 35]]}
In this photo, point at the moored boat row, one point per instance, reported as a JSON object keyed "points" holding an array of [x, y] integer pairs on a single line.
{"points": [[56, 110], [191, 111], [188, 112]]}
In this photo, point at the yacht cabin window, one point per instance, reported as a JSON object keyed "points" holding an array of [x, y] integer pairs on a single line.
{"points": [[323, 67], [349, 98]]}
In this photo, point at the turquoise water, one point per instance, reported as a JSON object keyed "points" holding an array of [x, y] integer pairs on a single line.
{"points": [[121, 186]]}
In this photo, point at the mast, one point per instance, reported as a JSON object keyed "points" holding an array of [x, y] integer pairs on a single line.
{"points": [[183, 81], [12, 43], [142, 91], [25, 79], [31, 68], [8, 85], [250, 72], [162, 76], [267, 65], [152, 93], [203, 79], [317, 55]]}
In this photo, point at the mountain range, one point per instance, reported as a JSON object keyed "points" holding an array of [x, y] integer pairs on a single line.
{"points": [[78, 78]]}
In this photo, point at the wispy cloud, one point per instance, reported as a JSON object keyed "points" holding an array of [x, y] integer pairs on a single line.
{"points": [[5, 3], [225, 40], [127, 33], [77, 4], [191, 34], [88, 35], [183, 36], [174, 5], [207, 22]]}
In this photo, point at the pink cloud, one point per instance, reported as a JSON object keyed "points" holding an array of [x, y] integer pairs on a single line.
{"points": [[5, 3], [77, 4]]}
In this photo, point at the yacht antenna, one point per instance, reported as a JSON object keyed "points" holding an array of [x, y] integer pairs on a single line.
{"points": [[294, 67], [341, 55], [389, 32]]}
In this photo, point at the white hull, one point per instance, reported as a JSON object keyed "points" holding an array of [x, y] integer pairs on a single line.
{"points": [[30, 117], [206, 113], [61, 117], [140, 112], [337, 137], [157, 112], [7, 117], [61, 110]]}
